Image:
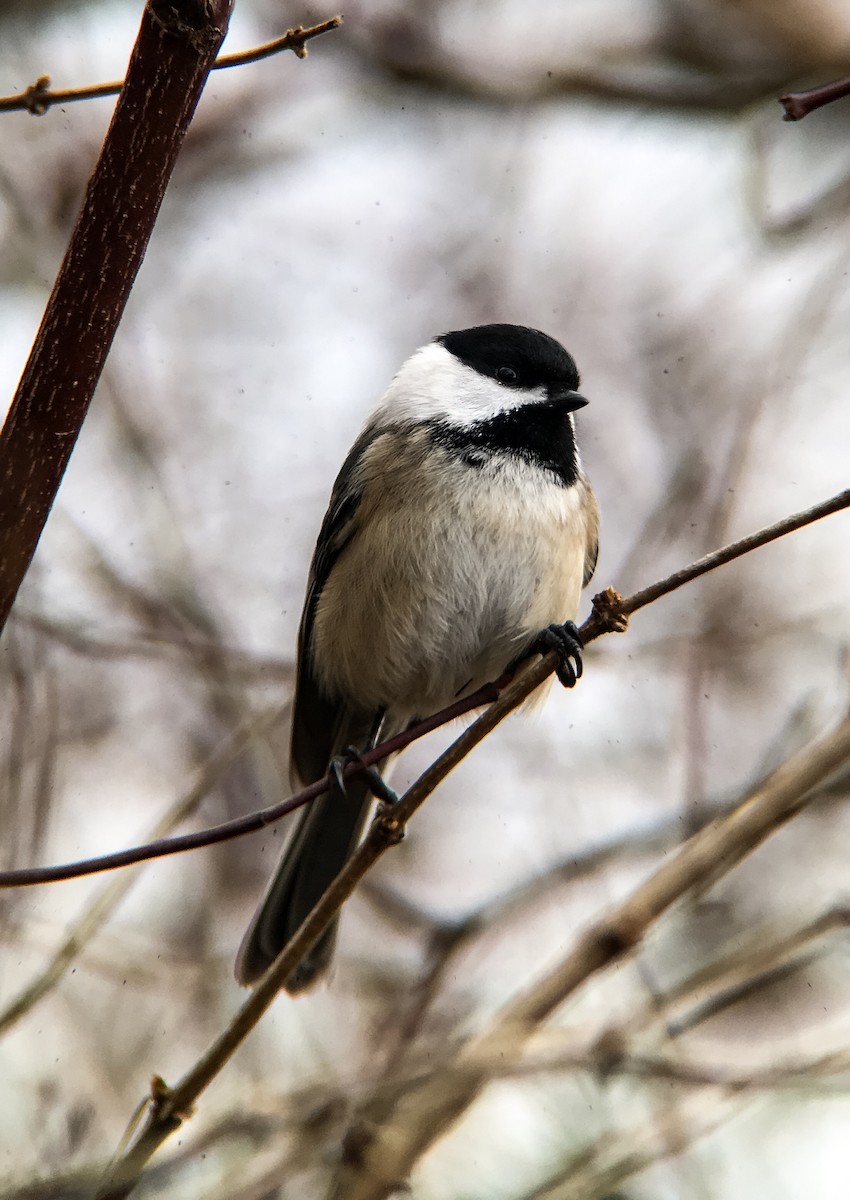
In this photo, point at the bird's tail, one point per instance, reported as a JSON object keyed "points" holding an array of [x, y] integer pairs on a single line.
{"points": [[326, 835]]}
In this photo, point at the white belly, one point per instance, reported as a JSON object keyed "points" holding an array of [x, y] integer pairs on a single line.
{"points": [[443, 584]]}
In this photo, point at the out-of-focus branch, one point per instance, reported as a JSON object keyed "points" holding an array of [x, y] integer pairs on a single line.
{"points": [[799, 104], [611, 1052], [38, 97], [699, 997], [736, 976], [445, 940], [242, 665], [828, 1068], [175, 48], [388, 1155], [413, 47], [167, 1178], [618, 1156], [98, 911]]}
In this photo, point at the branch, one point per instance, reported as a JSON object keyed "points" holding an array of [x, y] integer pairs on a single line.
{"points": [[548, 1057], [736, 976], [609, 614], [168, 1107], [598, 623], [97, 912], [241, 665], [38, 98], [445, 940], [239, 826], [799, 104], [175, 48], [427, 1113], [614, 1158]]}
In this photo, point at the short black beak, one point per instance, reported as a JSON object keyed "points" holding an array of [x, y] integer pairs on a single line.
{"points": [[567, 398]]}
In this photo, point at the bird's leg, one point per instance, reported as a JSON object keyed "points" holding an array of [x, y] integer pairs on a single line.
{"points": [[378, 786], [565, 640]]}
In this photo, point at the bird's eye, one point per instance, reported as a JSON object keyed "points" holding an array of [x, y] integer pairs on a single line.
{"points": [[506, 375]]}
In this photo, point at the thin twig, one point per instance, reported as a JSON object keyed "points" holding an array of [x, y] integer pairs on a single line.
{"points": [[447, 939], [719, 558], [799, 104], [239, 826], [616, 1156], [294, 39], [38, 97], [242, 666], [608, 615], [739, 974]]}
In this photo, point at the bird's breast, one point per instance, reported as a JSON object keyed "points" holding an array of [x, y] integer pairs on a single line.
{"points": [[452, 569]]}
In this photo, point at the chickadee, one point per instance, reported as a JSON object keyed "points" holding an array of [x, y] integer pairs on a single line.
{"points": [[460, 526]]}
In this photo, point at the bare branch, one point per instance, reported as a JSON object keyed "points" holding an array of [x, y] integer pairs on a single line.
{"points": [[705, 857], [239, 826], [831, 1068], [735, 976], [718, 558], [88, 642], [294, 39], [504, 695], [615, 1157], [799, 104], [709, 853], [175, 48], [38, 97]]}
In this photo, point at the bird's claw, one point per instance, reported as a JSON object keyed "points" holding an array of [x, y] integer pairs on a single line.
{"points": [[565, 640], [377, 784]]}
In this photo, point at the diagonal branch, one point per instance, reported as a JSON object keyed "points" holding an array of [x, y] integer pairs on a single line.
{"points": [[175, 48], [718, 558], [251, 822], [712, 851]]}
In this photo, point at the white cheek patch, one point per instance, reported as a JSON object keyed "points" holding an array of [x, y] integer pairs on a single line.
{"points": [[433, 385]]}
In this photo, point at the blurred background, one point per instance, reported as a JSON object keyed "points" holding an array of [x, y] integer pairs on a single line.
{"points": [[616, 173]]}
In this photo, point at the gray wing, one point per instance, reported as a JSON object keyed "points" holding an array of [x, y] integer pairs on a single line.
{"points": [[318, 717], [592, 550], [322, 726]]}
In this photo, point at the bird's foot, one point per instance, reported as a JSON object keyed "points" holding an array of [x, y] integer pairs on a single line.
{"points": [[377, 784], [565, 640]]}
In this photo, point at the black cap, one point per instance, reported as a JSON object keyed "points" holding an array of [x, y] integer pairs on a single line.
{"points": [[514, 355]]}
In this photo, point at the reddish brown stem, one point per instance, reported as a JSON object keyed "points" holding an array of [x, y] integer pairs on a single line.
{"points": [[175, 48], [799, 104]]}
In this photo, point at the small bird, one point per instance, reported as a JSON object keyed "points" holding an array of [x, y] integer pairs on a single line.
{"points": [[460, 532]]}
